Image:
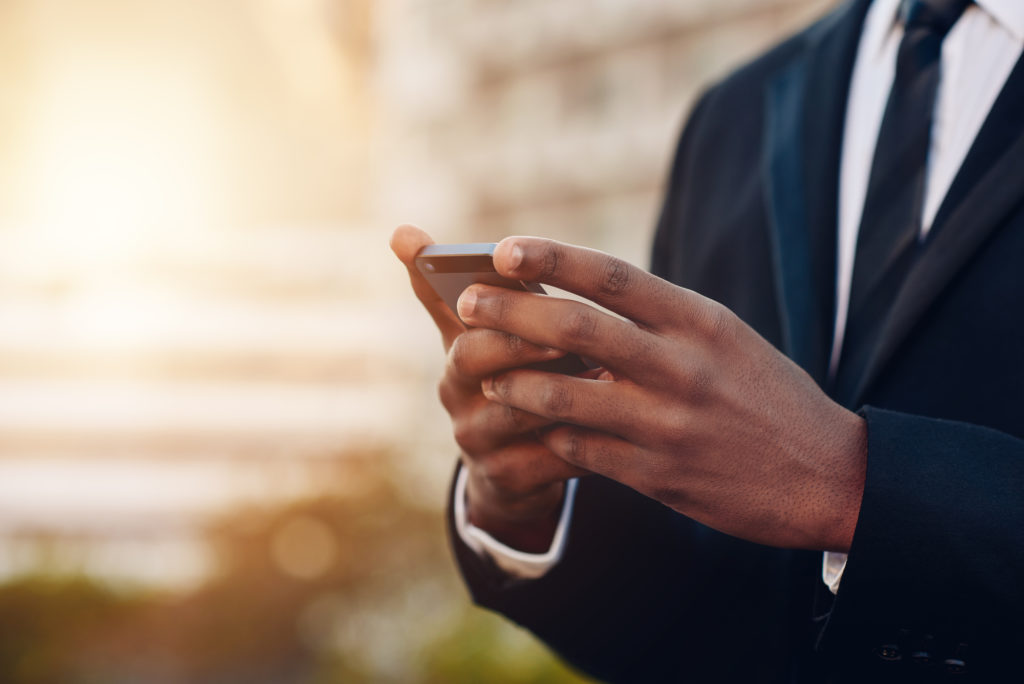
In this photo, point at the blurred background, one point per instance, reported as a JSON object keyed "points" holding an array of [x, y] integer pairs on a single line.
{"points": [[221, 458]]}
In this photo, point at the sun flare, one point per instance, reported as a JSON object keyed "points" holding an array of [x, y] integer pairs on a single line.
{"points": [[118, 160]]}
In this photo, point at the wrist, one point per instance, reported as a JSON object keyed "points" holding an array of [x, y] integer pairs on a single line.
{"points": [[847, 487], [526, 522]]}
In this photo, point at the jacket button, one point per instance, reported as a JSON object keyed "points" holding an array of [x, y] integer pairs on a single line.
{"points": [[921, 652], [889, 652], [955, 665], [957, 662]]}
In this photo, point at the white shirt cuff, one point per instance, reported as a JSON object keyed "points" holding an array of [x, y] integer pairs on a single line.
{"points": [[832, 566], [512, 561]]}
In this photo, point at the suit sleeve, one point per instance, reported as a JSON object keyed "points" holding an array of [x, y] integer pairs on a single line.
{"points": [[645, 594], [936, 568]]}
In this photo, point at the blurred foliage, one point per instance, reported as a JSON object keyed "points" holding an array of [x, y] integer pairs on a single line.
{"points": [[354, 587]]}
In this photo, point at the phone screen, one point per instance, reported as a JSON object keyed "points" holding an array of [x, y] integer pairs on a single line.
{"points": [[450, 269]]}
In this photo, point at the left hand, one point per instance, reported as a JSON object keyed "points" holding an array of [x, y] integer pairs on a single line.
{"points": [[700, 412]]}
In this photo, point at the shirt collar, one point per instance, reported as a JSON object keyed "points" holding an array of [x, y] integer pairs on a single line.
{"points": [[883, 18], [879, 24], [1009, 14]]}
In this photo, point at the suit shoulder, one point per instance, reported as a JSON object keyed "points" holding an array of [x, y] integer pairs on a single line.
{"points": [[752, 76]]}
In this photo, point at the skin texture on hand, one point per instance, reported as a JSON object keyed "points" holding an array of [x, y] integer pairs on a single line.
{"points": [[699, 413], [516, 483]]}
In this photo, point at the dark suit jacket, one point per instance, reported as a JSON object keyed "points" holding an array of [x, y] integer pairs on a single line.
{"points": [[936, 572]]}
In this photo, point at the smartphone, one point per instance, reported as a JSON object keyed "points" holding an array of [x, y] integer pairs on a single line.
{"points": [[450, 269]]}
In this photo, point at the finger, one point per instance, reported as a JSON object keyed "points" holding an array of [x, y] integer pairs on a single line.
{"points": [[614, 407], [406, 243], [524, 467], [596, 452], [480, 352], [558, 323], [487, 426], [611, 282]]}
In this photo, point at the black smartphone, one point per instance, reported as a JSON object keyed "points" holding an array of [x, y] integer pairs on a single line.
{"points": [[450, 269]]}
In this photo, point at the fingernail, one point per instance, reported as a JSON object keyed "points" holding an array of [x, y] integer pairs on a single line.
{"points": [[487, 385], [516, 257], [467, 302], [551, 351]]}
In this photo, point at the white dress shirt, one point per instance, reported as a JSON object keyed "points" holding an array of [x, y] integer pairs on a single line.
{"points": [[978, 54], [513, 561]]}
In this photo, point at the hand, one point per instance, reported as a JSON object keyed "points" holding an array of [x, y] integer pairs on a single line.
{"points": [[516, 483], [702, 413]]}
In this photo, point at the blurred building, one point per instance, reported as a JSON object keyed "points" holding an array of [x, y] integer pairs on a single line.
{"points": [[197, 304], [550, 117], [188, 318], [199, 313]]}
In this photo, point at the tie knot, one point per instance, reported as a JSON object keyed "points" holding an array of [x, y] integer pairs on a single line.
{"points": [[934, 15]]}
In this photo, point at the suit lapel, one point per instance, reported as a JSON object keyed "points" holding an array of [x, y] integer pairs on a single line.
{"points": [[988, 186], [805, 111]]}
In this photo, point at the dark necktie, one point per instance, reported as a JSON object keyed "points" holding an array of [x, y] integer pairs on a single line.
{"points": [[891, 221]]}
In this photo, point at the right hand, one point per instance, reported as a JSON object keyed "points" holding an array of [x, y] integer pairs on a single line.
{"points": [[516, 484]]}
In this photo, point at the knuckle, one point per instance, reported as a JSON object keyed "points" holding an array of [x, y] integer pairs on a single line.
{"points": [[639, 347], [464, 434], [579, 448], [515, 346], [446, 393], [575, 448], [504, 473], [557, 400], [501, 386], [549, 262], [678, 429], [459, 355], [495, 307], [581, 325], [492, 468], [715, 321], [616, 278]]}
